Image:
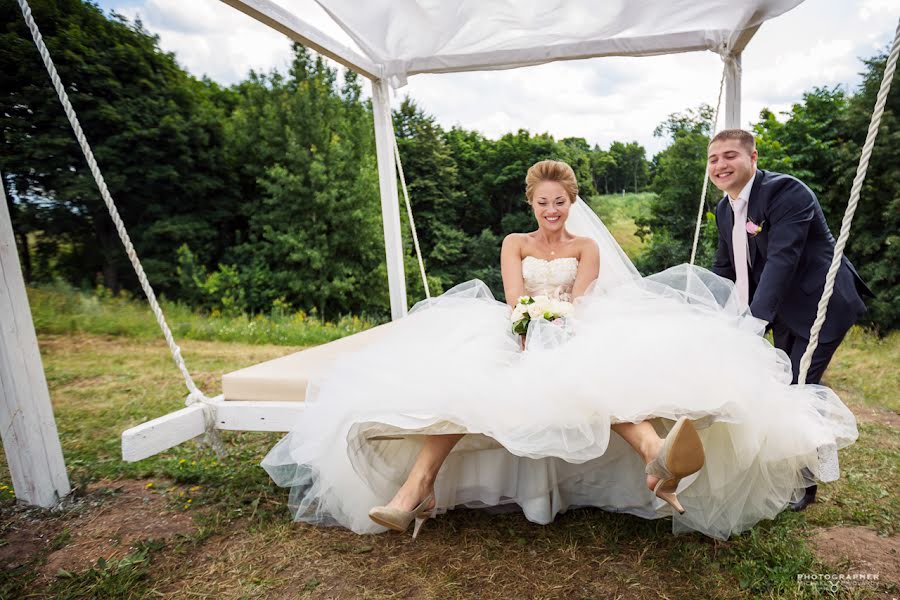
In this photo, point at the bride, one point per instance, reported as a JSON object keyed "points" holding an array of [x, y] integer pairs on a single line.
{"points": [[451, 409]]}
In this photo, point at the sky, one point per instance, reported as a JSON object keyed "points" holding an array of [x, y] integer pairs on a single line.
{"points": [[818, 43]]}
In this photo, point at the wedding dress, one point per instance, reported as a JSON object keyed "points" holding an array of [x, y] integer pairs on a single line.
{"points": [[538, 421]]}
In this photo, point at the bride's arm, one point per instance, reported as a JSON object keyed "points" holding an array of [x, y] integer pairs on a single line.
{"points": [[588, 268], [511, 268]]}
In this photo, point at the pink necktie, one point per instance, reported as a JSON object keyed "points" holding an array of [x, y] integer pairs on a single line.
{"points": [[739, 242]]}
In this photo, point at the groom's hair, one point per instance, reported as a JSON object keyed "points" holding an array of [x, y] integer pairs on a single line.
{"points": [[744, 137]]}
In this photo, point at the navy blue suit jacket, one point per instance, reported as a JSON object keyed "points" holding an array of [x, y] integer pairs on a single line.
{"points": [[789, 258]]}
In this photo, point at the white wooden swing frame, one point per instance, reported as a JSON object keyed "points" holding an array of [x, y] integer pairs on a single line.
{"points": [[28, 429]]}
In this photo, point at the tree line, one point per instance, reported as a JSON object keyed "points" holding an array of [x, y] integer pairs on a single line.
{"points": [[264, 194]]}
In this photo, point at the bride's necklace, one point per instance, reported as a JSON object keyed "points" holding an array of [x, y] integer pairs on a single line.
{"points": [[550, 248]]}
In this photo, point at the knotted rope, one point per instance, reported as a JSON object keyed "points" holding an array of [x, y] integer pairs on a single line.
{"points": [[194, 395], [889, 68], [409, 212], [715, 122]]}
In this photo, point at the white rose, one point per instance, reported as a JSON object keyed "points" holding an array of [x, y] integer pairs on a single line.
{"points": [[518, 312], [561, 308], [540, 306]]}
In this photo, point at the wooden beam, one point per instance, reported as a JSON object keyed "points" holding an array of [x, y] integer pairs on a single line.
{"points": [[251, 415], [286, 22], [30, 439], [158, 435], [153, 437]]}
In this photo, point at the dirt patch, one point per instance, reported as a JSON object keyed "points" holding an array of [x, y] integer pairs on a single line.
{"points": [[860, 551], [132, 514], [20, 545], [452, 559], [107, 521], [877, 416]]}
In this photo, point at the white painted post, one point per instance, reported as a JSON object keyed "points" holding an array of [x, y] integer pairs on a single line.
{"points": [[390, 201], [733, 92], [28, 429]]}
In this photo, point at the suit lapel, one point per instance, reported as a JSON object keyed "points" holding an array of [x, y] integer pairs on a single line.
{"points": [[728, 224], [756, 211]]}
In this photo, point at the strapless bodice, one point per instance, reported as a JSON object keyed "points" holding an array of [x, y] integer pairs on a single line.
{"points": [[546, 277]]}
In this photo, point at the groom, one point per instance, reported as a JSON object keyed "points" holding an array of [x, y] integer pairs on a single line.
{"points": [[775, 245]]}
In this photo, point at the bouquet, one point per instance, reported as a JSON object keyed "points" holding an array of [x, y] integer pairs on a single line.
{"points": [[537, 307]]}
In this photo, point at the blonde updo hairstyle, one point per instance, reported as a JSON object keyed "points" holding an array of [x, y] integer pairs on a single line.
{"points": [[551, 170]]}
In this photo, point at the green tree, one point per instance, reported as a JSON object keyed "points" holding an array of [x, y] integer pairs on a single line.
{"points": [[603, 166], [437, 202], [156, 133], [577, 153], [680, 170], [631, 170], [874, 244], [314, 234]]}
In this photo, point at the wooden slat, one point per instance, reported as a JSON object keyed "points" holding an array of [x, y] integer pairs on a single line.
{"points": [[158, 435], [254, 415]]}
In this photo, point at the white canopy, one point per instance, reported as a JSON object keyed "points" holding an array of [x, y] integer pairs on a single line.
{"points": [[392, 39], [433, 36]]}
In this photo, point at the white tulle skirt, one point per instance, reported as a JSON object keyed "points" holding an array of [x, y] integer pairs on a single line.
{"points": [[538, 422]]}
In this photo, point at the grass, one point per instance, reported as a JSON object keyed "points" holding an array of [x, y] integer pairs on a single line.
{"points": [[115, 578], [60, 310], [619, 212], [107, 371]]}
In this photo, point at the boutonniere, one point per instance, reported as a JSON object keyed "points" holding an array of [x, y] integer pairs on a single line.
{"points": [[753, 229]]}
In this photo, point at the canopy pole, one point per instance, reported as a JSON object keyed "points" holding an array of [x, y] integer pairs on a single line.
{"points": [[733, 91], [279, 19], [30, 438], [390, 200]]}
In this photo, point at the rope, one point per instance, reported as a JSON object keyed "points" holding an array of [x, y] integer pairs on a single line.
{"points": [[715, 122], [412, 222], [194, 395], [855, 190]]}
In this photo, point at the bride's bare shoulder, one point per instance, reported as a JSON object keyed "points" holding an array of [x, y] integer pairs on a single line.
{"points": [[516, 240], [586, 246]]}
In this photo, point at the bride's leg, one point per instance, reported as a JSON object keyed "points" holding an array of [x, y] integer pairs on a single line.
{"points": [[420, 481], [645, 441]]}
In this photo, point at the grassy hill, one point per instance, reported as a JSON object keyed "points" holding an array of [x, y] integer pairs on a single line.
{"points": [[619, 212]]}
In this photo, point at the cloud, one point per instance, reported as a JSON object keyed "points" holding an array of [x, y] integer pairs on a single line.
{"points": [[878, 9], [212, 38], [819, 43]]}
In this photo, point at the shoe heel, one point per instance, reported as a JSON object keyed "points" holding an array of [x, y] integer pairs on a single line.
{"points": [[419, 522], [669, 498]]}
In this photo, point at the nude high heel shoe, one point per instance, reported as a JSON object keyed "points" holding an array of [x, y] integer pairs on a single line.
{"points": [[399, 520], [681, 455]]}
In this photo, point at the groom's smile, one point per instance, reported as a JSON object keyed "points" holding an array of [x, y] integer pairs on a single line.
{"points": [[730, 165]]}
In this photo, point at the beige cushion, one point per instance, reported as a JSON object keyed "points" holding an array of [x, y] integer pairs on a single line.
{"points": [[286, 378]]}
